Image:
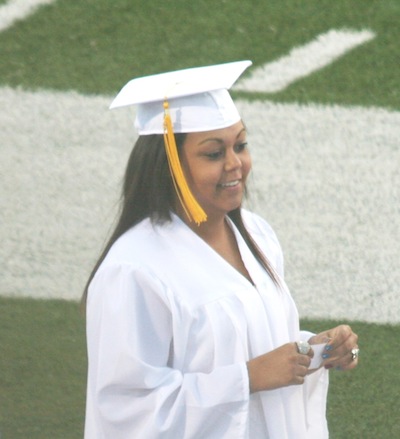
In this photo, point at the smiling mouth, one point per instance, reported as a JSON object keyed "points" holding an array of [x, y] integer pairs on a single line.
{"points": [[230, 183]]}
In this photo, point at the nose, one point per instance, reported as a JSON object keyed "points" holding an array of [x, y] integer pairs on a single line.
{"points": [[232, 161]]}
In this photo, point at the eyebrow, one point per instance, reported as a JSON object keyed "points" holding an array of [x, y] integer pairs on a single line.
{"points": [[218, 139]]}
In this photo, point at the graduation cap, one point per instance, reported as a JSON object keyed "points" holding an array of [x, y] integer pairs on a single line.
{"points": [[183, 101]]}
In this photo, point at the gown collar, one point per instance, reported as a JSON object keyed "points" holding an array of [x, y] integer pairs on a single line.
{"points": [[256, 272]]}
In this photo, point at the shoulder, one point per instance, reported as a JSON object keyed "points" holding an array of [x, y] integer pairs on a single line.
{"points": [[149, 246], [136, 245], [132, 265]]}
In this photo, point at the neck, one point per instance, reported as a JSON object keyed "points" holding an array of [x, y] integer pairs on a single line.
{"points": [[209, 230], [214, 224]]}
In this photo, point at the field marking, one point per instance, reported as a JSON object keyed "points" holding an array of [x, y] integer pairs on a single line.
{"points": [[302, 61], [17, 10], [326, 177]]}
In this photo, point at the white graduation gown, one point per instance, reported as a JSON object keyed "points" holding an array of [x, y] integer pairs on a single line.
{"points": [[170, 327]]}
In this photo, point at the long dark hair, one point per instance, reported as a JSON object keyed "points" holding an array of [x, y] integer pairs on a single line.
{"points": [[148, 192]]}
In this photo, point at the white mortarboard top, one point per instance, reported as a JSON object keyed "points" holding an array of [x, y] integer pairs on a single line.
{"points": [[198, 99], [184, 101]]}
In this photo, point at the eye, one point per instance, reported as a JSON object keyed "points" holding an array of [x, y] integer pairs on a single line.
{"points": [[241, 147], [214, 155]]}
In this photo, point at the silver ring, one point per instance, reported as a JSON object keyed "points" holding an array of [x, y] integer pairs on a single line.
{"points": [[303, 347], [354, 354]]}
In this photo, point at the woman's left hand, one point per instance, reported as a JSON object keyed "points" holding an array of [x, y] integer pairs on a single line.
{"points": [[341, 351]]}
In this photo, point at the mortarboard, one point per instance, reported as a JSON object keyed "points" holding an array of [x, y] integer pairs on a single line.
{"points": [[183, 101]]}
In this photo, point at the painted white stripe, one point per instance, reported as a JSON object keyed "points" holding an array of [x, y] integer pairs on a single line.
{"points": [[302, 61], [326, 178], [16, 10]]}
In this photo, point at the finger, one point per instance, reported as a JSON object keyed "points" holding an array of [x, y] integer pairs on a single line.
{"points": [[342, 341], [299, 380], [345, 349], [300, 375], [305, 361], [347, 362]]}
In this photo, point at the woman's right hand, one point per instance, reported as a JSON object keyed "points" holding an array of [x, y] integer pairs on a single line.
{"points": [[283, 366]]}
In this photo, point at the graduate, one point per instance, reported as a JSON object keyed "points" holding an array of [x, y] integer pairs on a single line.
{"points": [[191, 329]]}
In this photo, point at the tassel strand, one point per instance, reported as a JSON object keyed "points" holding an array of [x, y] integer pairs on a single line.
{"points": [[189, 203]]}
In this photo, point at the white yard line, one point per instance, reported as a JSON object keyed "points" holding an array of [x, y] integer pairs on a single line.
{"points": [[302, 61], [17, 10], [326, 178]]}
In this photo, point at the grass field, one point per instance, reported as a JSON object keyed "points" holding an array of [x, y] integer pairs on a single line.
{"points": [[43, 364], [95, 46]]}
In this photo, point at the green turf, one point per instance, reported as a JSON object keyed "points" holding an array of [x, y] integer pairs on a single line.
{"points": [[43, 369], [363, 403], [43, 373], [95, 46]]}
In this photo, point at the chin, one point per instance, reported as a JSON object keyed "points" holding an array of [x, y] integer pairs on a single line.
{"points": [[233, 207]]}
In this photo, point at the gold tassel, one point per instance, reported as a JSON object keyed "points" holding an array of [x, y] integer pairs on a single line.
{"points": [[189, 203]]}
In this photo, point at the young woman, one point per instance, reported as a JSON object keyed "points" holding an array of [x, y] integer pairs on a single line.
{"points": [[191, 330]]}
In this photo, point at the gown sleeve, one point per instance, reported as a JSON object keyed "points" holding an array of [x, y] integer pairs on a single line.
{"points": [[133, 388]]}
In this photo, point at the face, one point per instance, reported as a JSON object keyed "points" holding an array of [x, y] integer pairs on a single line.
{"points": [[216, 165]]}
